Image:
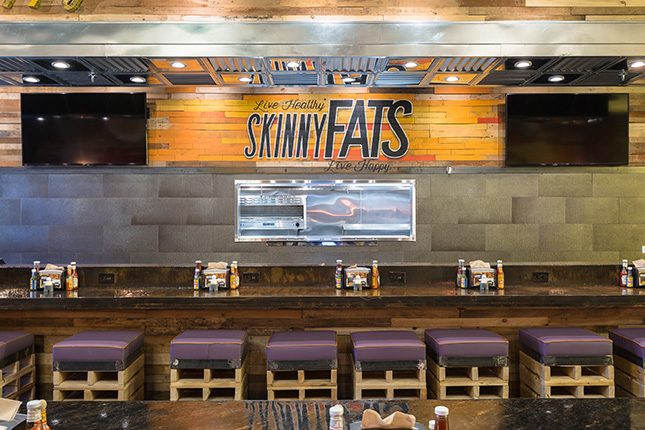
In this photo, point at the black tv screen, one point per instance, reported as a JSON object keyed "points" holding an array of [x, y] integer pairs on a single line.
{"points": [[84, 129], [567, 129]]}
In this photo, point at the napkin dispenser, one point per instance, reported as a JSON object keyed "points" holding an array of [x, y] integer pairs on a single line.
{"points": [[217, 278], [357, 277], [475, 275], [639, 277]]}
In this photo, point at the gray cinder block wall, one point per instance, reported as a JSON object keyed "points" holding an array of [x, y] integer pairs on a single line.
{"points": [[157, 216]]}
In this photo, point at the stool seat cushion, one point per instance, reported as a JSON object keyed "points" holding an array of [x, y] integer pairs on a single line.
{"points": [[302, 346], [12, 342], [630, 339], [209, 345], [565, 342], [99, 346], [387, 345], [465, 343]]}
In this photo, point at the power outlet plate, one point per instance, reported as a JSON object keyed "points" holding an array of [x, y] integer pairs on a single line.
{"points": [[106, 278], [540, 277], [250, 277], [396, 278]]}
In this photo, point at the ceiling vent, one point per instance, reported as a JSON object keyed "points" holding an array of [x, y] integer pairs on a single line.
{"points": [[351, 64], [236, 64], [189, 78], [581, 64], [118, 64], [399, 79], [304, 79], [466, 64]]}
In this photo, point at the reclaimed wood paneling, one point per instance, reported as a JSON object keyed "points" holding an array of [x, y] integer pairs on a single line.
{"points": [[321, 10], [161, 326]]}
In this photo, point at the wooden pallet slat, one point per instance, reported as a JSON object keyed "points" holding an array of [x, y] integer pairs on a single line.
{"points": [[629, 377], [211, 385], [468, 382], [299, 385], [17, 379], [390, 383], [565, 381], [127, 384]]}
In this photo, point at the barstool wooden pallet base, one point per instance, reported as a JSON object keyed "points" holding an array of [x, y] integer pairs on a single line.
{"points": [[390, 384], [127, 384], [302, 384], [209, 384], [477, 382], [630, 377], [17, 379], [565, 381]]}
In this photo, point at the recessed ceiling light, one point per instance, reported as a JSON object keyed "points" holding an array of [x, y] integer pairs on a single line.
{"points": [[138, 79], [410, 65], [177, 65], [348, 80], [293, 64], [523, 64], [246, 79], [451, 78], [61, 65], [637, 64], [31, 79], [105, 118], [556, 78], [40, 118]]}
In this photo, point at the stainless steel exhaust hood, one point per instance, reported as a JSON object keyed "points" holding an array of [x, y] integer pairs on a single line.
{"points": [[324, 53]]}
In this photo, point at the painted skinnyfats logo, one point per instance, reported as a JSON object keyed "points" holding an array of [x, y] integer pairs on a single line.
{"points": [[276, 134]]}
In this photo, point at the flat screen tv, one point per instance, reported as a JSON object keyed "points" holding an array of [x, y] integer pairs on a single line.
{"points": [[84, 129], [567, 129]]}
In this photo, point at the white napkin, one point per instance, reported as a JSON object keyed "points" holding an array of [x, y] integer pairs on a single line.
{"points": [[8, 409], [479, 264], [639, 264]]}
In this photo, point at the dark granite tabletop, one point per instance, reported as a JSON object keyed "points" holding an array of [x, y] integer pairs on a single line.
{"points": [[513, 414], [318, 297]]}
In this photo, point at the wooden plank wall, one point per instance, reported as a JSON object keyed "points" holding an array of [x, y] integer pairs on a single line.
{"points": [[206, 126], [354, 10], [160, 326]]}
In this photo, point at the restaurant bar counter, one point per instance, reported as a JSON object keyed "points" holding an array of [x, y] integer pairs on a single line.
{"points": [[161, 303], [514, 414]]}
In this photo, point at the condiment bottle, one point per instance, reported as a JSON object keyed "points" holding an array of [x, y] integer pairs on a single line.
{"points": [[34, 419], [339, 274], [432, 424], [43, 413], [33, 281], [460, 269], [336, 418], [74, 276], [441, 418], [69, 279], [630, 278], [623, 274], [235, 276], [376, 277], [197, 276], [500, 275]]}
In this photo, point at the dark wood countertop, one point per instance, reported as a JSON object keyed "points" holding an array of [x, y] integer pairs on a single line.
{"points": [[513, 414], [320, 297]]}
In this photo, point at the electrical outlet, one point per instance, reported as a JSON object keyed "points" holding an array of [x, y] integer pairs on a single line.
{"points": [[540, 277], [106, 278], [250, 277], [396, 278]]}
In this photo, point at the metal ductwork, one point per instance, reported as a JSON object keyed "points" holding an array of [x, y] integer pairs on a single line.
{"points": [[322, 54]]}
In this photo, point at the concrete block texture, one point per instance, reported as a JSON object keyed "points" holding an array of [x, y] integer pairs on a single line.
{"points": [[159, 216]]}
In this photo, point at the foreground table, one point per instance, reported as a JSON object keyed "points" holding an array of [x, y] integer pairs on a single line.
{"points": [[515, 414]]}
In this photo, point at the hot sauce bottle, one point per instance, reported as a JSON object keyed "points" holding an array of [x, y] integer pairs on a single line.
{"points": [[339, 274], [623, 274], [34, 418], [441, 418], [43, 413], [69, 279], [376, 277], [235, 276], [500, 275]]}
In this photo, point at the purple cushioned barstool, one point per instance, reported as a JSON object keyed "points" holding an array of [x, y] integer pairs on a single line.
{"points": [[210, 363], [99, 365], [467, 362], [629, 360], [388, 363], [17, 365], [565, 363], [301, 364]]}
